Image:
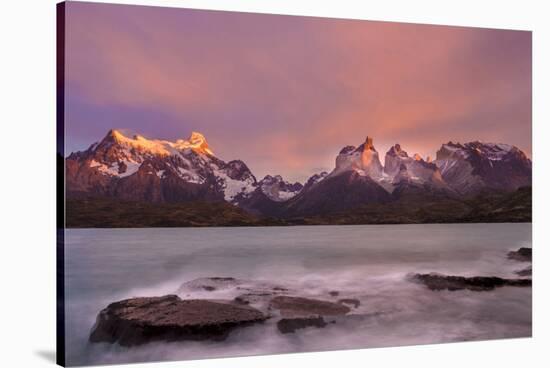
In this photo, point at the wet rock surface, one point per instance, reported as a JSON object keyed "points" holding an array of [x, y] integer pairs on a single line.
{"points": [[525, 272], [290, 325], [478, 283], [209, 309], [291, 306], [209, 284], [298, 313], [257, 298], [239, 290], [138, 321], [522, 255]]}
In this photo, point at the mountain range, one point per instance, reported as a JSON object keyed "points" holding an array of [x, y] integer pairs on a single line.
{"points": [[406, 189]]}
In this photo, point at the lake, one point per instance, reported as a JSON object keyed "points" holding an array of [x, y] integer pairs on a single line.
{"points": [[367, 262]]}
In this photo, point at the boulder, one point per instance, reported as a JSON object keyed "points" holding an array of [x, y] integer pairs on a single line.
{"points": [[298, 312], [525, 272], [522, 255], [478, 283], [291, 306], [138, 321], [290, 325]]}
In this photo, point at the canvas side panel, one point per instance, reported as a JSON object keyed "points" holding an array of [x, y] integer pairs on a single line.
{"points": [[60, 184]]}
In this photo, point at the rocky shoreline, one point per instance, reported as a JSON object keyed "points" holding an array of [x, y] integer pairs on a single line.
{"points": [[211, 308], [138, 321], [141, 320], [522, 255], [478, 283]]}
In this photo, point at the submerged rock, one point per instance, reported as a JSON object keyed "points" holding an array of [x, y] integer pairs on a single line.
{"points": [[290, 325], [522, 254], [291, 306], [478, 283], [525, 272], [138, 321]]}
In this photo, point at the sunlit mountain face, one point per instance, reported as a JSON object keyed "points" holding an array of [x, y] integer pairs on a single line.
{"points": [[187, 170]]}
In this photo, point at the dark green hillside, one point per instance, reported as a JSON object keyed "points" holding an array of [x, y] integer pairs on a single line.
{"points": [[412, 208], [108, 213], [513, 207], [417, 209]]}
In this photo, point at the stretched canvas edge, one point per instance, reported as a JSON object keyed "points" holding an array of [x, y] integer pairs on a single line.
{"points": [[60, 183]]}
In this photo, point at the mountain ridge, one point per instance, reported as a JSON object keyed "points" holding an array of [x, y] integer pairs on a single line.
{"points": [[187, 170]]}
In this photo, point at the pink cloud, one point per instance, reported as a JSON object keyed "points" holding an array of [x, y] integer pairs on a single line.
{"points": [[286, 93]]}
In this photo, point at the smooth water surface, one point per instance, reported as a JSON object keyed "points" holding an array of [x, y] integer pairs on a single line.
{"points": [[369, 262]]}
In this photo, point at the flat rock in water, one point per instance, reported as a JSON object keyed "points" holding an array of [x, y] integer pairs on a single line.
{"points": [[291, 306], [254, 293], [290, 325], [138, 321], [478, 283], [525, 272], [522, 255]]}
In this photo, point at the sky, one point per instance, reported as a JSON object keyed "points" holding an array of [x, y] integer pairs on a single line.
{"points": [[286, 93]]}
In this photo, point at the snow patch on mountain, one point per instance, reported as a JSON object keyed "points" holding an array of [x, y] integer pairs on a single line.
{"points": [[120, 169], [189, 176], [232, 188], [277, 189]]}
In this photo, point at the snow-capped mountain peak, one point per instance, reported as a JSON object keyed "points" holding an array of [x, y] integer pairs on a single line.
{"points": [[187, 167], [141, 169], [474, 165], [490, 151], [396, 150], [196, 142], [401, 168], [394, 158], [369, 144], [363, 159]]}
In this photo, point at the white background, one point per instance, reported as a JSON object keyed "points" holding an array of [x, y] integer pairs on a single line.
{"points": [[27, 180]]}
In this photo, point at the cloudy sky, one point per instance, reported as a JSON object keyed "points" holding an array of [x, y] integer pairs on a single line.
{"points": [[286, 93]]}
